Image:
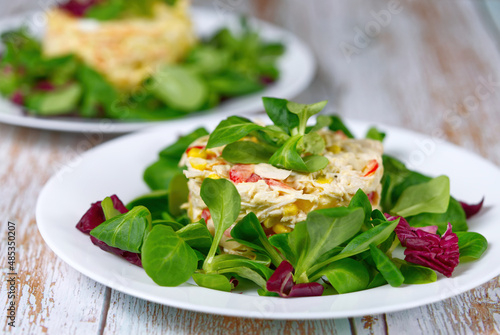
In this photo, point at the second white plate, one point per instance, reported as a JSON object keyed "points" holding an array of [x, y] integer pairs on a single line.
{"points": [[297, 68]]}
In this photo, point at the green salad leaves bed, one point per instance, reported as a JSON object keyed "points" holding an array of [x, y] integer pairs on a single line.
{"points": [[224, 66], [334, 251]]}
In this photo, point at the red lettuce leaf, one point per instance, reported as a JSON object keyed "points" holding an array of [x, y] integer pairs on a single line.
{"points": [[471, 210], [45, 85], [429, 229], [127, 255], [78, 8], [118, 204], [428, 249], [234, 282], [17, 98], [94, 217], [266, 80], [306, 290], [281, 282]]}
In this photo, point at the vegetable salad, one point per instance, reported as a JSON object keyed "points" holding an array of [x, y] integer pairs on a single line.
{"points": [[337, 249]]}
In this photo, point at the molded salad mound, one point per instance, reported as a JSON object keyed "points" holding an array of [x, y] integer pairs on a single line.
{"points": [[334, 248]]}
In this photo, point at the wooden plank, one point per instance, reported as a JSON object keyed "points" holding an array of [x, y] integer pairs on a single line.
{"points": [[474, 312], [128, 315], [51, 296], [370, 324]]}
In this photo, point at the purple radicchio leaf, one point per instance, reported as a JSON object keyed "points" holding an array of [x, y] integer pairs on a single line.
{"points": [[118, 204], [234, 282], [18, 98], [45, 85], [471, 210], [78, 8], [266, 80], [281, 282], [306, 290], [428, 249], [94, 217], [429, 229], [127, 255]]}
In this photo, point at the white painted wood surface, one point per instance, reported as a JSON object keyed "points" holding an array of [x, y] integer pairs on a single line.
{"points": [[427, 68]]}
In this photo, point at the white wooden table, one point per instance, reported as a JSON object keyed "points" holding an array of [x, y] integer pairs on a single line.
{"points": [[426, 65]]}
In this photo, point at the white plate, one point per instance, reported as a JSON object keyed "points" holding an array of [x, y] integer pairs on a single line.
{"points": [[116, 167], [297, 67]]}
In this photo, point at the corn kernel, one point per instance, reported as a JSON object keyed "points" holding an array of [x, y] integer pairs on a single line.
{"points": [[197, 152], [271, 221], [304, 205], [324, 180], [198, 163], [279, 229], [213, 176], [290, 210], [335, 149]]}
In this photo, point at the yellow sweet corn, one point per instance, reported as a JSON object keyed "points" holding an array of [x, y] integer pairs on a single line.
{"points": [[271, 221], [213, 176], [335, 149], [198, 163], [279, 229], [290, 210], [324, 180], [197, 152], [190, 210]]}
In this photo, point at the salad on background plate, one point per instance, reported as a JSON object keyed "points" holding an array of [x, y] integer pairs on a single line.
{"points": [[293, 209], [131, 60]]}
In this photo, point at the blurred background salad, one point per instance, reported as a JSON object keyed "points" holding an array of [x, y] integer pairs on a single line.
{"points": [[131, 60]]}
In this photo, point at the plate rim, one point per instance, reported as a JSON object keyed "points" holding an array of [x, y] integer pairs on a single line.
{"points": [[110, 126], [494, 271]]}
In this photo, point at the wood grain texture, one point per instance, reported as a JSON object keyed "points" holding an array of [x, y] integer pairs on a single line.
{"points": [[46, 286], [430, 66], [128, 315]]}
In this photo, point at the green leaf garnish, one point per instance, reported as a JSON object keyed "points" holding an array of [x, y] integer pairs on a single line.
{"points": [[231, 130], [386, 266], [471, 245], [429, 197], [167, 258], [250, 231], [247, 152], [278, 112], [224, 203], [179, 88], [336, 124], [375, 134], [304, 112], [287, 156], [125, 231]]}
